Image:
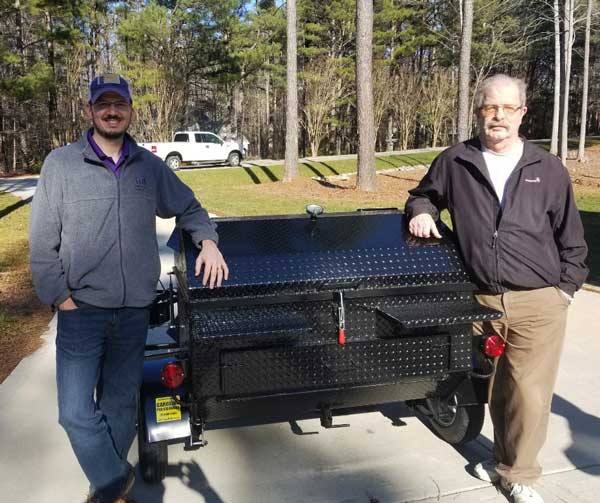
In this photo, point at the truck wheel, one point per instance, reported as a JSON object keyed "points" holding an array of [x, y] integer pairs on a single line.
{"points": [[173, 161], [153, 457], [234, 159], [455, 424]]}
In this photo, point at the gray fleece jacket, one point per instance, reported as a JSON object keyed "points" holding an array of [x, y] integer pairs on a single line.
{"points": [[93, 235]]}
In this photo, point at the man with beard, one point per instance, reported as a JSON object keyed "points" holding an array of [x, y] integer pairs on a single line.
{"points": [[516, 224], [94, 257]]}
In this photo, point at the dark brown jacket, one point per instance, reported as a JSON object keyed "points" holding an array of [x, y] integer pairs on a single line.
{"points": [[535, 241]]}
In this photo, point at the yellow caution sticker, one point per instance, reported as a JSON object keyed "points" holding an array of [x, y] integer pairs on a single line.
{"points": [[167, 409]]}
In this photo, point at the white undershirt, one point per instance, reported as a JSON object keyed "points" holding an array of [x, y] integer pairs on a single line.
{"points": [[500, 166]]}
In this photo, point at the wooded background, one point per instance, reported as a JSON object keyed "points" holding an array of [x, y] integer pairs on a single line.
{"points": [[220, 65]]}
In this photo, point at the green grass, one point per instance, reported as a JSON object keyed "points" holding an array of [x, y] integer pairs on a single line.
{"points": [[5, 319], [224, 191], [589, 208], [14, 247], [14, 229]]}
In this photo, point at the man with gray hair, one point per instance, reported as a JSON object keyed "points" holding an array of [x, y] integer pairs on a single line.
{"points": [[517, 226]]}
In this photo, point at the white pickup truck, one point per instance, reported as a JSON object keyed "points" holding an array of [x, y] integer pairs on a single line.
{"points": [[196, 148]]}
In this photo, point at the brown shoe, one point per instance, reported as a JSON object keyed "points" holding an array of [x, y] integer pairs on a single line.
{"points": [[123, 496]]}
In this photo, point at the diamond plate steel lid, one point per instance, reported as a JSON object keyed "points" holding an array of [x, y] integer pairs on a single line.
{"points": [[374, 248]]}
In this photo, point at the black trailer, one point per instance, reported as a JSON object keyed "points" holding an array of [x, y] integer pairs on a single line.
{"points": [[323, 314]]}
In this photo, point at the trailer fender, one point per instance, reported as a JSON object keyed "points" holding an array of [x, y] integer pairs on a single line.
{"points": [[162, 417]]}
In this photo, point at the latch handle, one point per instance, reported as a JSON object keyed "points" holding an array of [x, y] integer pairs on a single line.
{"points": [[341, 318]]}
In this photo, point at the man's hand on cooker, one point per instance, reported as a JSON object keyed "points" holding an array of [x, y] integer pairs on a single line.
{"points": [[423, 226], [215, 268]]}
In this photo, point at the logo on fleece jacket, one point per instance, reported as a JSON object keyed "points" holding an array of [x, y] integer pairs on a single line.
{"points": [[140, 182]]}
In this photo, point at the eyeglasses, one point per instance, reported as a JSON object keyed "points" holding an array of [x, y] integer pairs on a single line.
{"points": [[489, 110], [101, 106]]}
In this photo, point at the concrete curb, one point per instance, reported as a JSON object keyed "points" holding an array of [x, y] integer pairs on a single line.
{"points": [[591, 288]]}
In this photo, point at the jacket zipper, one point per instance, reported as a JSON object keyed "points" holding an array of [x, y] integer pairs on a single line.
{"points": [[494, 241], [496, 257], [122, 173], [119, 217], [119, 229], [499, 215]]}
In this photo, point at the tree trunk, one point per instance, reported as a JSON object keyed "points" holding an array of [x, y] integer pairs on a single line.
{"points": [[52, 104], [290, 170], [389, 141], [568, 51], [18, 107], [314, 149], [20, 34], [366, 176], [3, 159], [556, 107], [14, 150], [94, 42], [267, 136], [586, 78], [463, 71]]}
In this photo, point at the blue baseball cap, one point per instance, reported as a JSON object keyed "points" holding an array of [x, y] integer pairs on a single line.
{"points": [[109, 82]]}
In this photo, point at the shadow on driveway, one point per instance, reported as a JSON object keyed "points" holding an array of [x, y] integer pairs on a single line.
{"points": [[190, 474], [260, 452], [584, 451]]}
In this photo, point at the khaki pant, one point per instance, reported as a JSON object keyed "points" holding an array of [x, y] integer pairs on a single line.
{"points": [[520, 394]]}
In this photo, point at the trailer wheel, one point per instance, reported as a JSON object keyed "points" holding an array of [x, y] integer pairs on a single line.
{"points": [[455, 424], [173, 161], [234, 159], [153, 457]]}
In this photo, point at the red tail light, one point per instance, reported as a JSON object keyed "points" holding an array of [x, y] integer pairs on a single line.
{"points": [[153, 149], [172, 375], [493, 346]]}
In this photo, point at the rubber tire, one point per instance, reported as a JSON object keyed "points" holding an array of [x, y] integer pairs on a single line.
{"points": [[153, 457], [173, 161], [234, 159], [466, 426]]}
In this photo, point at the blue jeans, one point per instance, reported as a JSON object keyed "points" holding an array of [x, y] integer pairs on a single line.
{"points": [[99, 361]]}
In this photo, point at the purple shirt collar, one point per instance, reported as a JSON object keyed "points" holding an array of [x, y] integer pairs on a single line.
{"points": [[106, 160]]}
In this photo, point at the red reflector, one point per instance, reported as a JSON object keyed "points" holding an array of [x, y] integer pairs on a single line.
{"points": [[494, 346], [172, 375], [153, 149]]}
